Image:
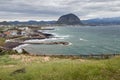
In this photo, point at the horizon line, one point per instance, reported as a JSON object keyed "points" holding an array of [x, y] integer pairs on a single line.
{"points": [[25, 20]]}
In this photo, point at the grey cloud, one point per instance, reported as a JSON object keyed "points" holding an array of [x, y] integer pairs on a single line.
{"points": [[55, 8]]}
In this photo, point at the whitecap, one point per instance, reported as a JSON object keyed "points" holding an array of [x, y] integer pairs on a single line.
{"points": [[81, 39], [41, 40], [60, 36], [70, 43], [35, 40]]}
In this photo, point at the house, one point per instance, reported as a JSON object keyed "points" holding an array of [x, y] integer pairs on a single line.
{"points": [[21, 31], [12, 32], [26, 30], [2, 35]]}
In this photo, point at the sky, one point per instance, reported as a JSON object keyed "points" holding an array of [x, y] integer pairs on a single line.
{"points": [[23, 10]]}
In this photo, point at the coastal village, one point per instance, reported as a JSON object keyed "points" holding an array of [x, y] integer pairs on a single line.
{"points": [[9, 32], [17, 35]]}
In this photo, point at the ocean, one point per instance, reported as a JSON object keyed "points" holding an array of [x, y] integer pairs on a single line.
{"points": [[83, 40]]}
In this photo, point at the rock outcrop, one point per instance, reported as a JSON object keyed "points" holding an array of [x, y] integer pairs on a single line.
{"points": [[69, 19]]}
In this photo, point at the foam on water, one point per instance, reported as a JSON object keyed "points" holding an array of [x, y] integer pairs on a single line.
{"points": [[70, 43], [41, 40], [19, 48], [81, 39], [48, 39], [35, 40], [60, 36]]}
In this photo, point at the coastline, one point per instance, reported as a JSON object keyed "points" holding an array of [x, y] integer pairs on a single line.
{"points": [[19, 44], [52, 41], [19, 47]]}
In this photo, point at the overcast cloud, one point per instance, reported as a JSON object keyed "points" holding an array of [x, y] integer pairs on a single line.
{"points": [[52, 9]]}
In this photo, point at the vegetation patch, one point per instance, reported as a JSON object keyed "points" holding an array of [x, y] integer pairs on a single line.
{"points": [[2, 41], [50, 68]]}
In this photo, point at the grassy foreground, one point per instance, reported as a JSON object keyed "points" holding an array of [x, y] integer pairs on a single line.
{"points": [[2, 41], [46, 68]]}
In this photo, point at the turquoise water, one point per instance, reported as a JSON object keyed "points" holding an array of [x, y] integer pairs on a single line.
{"points": [[83, 39]]}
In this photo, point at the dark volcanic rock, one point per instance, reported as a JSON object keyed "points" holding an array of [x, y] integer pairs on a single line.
{"points": [[69, 19], [22, 70], [10, 45]]}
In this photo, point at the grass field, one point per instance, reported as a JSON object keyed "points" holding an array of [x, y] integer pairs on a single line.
{"points": [[47, 68], [2, 41]]}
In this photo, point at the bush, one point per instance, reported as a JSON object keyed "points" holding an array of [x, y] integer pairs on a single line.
{"points": [[4, 52]]}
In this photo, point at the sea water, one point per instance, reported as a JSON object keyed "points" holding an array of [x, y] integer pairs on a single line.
{"points": [[82, 39]]}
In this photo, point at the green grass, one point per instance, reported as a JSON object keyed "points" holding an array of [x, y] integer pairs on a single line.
{"points": [[2, 41], [61, 69], [6, 60]]}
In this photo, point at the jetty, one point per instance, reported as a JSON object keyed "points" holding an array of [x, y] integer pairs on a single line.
{"points": [[13, 44], [46, 43]]}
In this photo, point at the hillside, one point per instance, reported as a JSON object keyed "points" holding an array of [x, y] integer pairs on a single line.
{"points": [[24, 67], [103, 21]]}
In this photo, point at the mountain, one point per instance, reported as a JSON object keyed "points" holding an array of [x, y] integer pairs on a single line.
{"points": [[103, 21], [69, 19], [4, 23], [32, 22]]}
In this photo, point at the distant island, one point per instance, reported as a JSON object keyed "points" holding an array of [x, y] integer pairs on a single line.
{"points": [[69, 19]]}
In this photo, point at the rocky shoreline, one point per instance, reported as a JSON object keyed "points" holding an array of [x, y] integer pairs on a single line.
{"points": [[14, 42], [11, 45], [17, 42]]}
